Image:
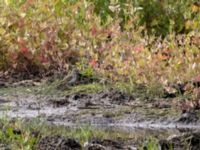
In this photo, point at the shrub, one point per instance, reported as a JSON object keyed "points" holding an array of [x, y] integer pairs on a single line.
{"points": [[47, 35]]}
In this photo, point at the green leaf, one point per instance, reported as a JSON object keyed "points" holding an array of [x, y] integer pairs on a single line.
{"points": [[58, 7]]}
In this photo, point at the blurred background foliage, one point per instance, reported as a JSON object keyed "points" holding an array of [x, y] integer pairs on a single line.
{"points": [[139, 40]]}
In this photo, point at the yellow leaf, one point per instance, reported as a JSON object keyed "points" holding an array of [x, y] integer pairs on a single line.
{"points": [[2, 31], [7, 2], [195, 24], [188, 24], [2, 21], [195, 8], [22, 15]]}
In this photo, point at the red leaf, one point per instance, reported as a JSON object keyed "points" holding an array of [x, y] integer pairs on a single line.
{"points": [[93, 63], [30, 2], [24, 50], [23, 46], [43, 59], [14, 56], [196, 79], [21, 23], [139, 48], [94, 31]]}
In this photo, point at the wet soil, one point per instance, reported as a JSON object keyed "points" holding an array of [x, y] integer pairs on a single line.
{"points": [[107, 109], [58, 142], [62, 143], [189, 141], [183, 141]]}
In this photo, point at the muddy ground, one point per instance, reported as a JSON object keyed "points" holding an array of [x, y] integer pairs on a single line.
{"points": [[106, 108]]}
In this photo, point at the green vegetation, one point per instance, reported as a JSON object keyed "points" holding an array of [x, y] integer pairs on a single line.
{"points": [[151, 49], [151, 144], [25, 135], [51, 89], [13, 136]]}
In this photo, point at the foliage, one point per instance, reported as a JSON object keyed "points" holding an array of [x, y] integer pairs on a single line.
{"points": [[145, 42], [158, 17], [18, 134], [33, 36], [151, 144], [13, 136]]}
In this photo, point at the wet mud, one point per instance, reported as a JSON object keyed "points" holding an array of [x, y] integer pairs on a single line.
{"points": [[108, 109]]}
